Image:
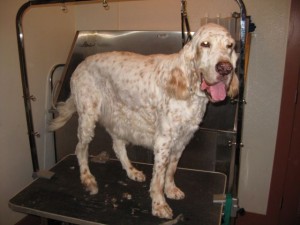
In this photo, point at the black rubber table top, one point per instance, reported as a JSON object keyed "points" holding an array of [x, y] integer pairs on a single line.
{"points": [[119, 200]]}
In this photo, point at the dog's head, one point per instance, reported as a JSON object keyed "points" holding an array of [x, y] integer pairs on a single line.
{"points": [[211, 53]]}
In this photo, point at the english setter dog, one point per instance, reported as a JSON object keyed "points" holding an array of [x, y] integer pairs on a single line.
{"points": [[155, 101]]}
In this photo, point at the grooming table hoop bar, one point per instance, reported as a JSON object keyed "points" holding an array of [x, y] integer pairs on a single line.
{"points": [[25, 84]]}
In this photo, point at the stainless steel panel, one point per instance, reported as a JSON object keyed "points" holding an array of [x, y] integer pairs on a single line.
{"points": [[87, 43]]}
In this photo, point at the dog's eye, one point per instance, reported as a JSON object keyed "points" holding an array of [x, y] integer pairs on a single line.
{"points": [[205, 44], [229, 45]]}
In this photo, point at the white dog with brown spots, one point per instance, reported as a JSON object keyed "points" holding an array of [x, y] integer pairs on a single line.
{"points": [[154, 101]]}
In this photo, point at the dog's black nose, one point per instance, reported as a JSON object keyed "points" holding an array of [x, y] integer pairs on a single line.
{"points": [[224, 68]]}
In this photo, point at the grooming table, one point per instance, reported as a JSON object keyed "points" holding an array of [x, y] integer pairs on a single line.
{"points": [[119, 200]]}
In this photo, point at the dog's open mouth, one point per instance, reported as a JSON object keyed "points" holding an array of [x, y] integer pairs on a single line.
{"points": [[216, 92]]}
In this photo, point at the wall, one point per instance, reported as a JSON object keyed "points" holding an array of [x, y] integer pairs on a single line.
{"points": [[48, 36], [263, 95], [266, 69], [147, 14]]}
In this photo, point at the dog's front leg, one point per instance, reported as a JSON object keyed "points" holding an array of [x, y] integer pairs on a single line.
{"points": [[171, 190], [160, 207]]}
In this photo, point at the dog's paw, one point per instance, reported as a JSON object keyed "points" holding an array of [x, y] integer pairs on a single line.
{"points": [[90, 184], [174, 193], [162, 210], [136, 175]]}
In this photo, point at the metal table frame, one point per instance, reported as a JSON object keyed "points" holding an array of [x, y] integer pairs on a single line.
{"points": [[120, 200]]}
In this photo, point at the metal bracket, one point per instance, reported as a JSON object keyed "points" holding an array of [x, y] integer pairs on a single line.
{"points": [[30, 97], [233, 101], [105, 4], [64, 8], [46, 174], [231, 207], [36, 134], [230, 144]]}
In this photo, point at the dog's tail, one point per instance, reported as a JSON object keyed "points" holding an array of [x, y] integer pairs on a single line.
{"points": [[65, 111]]}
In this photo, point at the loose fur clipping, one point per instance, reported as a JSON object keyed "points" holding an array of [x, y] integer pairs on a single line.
{"points": [[155, 101]]}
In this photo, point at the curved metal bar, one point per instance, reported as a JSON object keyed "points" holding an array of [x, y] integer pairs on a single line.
{"points": [[25, 86], [24, 77]]}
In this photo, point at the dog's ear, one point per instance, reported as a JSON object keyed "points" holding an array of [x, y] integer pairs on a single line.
{"points": [[192, 51], [177, 85], [233, 89], [189, 51]]}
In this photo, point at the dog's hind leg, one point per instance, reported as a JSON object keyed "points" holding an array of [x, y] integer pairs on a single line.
{"points": [[86, 126], [87, 100], [119, 147]]}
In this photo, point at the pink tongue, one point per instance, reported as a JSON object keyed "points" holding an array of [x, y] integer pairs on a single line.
{"points": [[217, 91]]}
